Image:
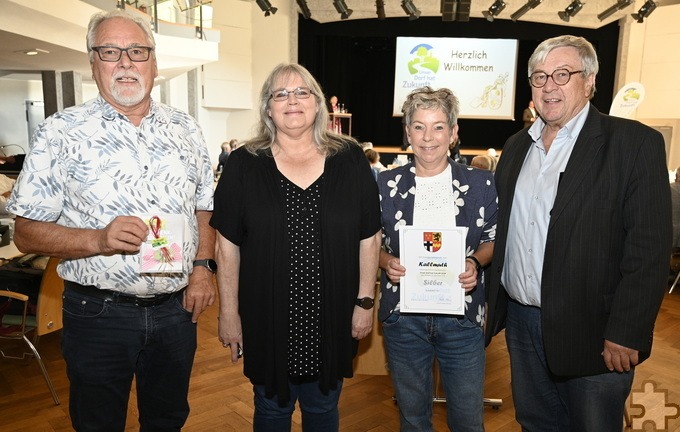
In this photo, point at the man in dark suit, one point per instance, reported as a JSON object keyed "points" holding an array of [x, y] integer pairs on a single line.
{"points": [[529, 114], [581, 257]]}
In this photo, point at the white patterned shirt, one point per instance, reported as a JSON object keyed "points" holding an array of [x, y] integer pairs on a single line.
{"points": [[89, 164]]}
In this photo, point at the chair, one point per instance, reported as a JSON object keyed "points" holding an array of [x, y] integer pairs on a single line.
{"points": [[48, 317], [675, 266]]}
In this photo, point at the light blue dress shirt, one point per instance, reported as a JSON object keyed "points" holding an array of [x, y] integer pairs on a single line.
{"points": [[530, 215]]}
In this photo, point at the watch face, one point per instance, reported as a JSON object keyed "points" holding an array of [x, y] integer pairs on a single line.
{"points": [[365, 302], [211, 264], [207, 263]]}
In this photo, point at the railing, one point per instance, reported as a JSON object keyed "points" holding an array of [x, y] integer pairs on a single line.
{"points": [[197, 13], [194, 13]]}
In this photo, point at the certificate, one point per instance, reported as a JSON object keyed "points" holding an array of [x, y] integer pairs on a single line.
{"points": [[433, 259]]}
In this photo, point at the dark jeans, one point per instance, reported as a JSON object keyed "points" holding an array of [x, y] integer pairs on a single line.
{"points": [[319, 411], [545, 402], [107, 344], [413, 341]]}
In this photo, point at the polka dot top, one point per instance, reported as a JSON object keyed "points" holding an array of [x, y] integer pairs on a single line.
{"points": [[304, 236]]}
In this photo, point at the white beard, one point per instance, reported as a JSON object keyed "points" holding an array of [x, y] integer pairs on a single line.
{"points": [[125, 97]]}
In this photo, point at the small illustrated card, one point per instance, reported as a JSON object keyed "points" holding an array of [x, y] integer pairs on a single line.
{"points": [[162, 250]]}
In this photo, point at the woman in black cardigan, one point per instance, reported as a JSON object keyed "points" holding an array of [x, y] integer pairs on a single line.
{"points": [[298, 223]]}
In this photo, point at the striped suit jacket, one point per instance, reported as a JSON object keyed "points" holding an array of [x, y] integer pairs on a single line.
{"points": [[606, 259]]}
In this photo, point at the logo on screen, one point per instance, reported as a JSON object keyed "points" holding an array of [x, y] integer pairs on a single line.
{"points": [[432, 241], [422, 60]]}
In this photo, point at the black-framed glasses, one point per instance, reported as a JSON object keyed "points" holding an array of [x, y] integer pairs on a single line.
{"points": [[299, 92], [113, 54], [559, 77]]}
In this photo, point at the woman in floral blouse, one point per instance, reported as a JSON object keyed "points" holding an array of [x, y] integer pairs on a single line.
{"points": [[436, 192]]}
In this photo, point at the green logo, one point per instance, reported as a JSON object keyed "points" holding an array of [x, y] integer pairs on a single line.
{"points": [[422, 60]]}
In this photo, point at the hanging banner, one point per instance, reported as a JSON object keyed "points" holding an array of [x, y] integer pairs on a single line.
{"points": [[627, 100]]}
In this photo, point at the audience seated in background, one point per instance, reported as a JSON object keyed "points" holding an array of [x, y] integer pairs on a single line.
{"points": [[484, 162], [227, 148], [374, 160]]}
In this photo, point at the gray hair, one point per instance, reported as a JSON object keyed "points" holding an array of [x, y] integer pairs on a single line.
{"points": [[585, 51], [98, 18], [427, 98], [327, 141]]}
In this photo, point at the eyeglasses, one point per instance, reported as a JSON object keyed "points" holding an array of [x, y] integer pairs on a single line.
{"points": [[559, 77], [282, 94], [113, 54]]}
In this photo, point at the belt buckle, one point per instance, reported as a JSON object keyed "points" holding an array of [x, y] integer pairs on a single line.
{"points": [[145, 302]]}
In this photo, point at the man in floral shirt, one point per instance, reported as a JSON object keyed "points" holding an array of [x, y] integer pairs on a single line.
{"points": [[101, 178]]}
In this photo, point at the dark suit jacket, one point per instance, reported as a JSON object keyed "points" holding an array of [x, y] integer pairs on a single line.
{"points": [[606, 260]]}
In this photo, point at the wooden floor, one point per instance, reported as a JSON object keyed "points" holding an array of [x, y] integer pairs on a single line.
{"points": [[221, 398]]}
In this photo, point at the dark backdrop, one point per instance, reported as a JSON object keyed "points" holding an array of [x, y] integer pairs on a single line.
{"points": [[354, 60]]}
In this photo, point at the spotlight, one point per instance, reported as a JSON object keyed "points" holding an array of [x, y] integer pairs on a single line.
{"points": [[644, 11], [524, 9], [342, 9], [495, 9], [410, 9], [304, 9], [380, 9], [571, 10], [620, 4], [266, 7]]}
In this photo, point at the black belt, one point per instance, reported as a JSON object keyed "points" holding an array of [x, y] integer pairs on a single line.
{"points": [[117, 297]]}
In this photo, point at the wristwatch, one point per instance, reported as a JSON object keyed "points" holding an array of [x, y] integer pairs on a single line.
{"points": [[478, 265], [365, 302], [210, 264]]}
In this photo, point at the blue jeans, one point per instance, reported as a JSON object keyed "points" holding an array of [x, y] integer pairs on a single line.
{"points": [[319, 411], [413, 341], [545, 402], [106, 344]]}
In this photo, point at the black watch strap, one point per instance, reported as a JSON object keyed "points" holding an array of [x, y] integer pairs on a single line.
{"points": [[210, 264], [476, 261], [365, 302]]}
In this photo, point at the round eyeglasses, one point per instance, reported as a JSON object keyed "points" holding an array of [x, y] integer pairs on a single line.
{"points": [[282, 94], [559, 77], [113, 54]]}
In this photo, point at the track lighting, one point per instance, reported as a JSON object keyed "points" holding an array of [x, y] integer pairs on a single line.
{"points": [[410, 9], [620, 4], [495, 9], [304, 9], [644, 11], [342, 9], [266, 7], [524, 9], [571, 10], [380, 9]]}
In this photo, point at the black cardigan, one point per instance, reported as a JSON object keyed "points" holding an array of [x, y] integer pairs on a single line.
{"points": [[249, 212]]}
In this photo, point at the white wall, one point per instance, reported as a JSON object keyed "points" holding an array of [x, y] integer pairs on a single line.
{"points": [[649, 55], [251, 45], [13, 124]]}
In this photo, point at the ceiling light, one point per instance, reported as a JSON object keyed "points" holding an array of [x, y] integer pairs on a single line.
{"points": [[495, 9], [304, 9], [524, 9], [266, 7], [448, 10], [410, 9], [32, 51], [644, 11], [380, 9], [571, 10], [620, 4], [342, 9]]}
